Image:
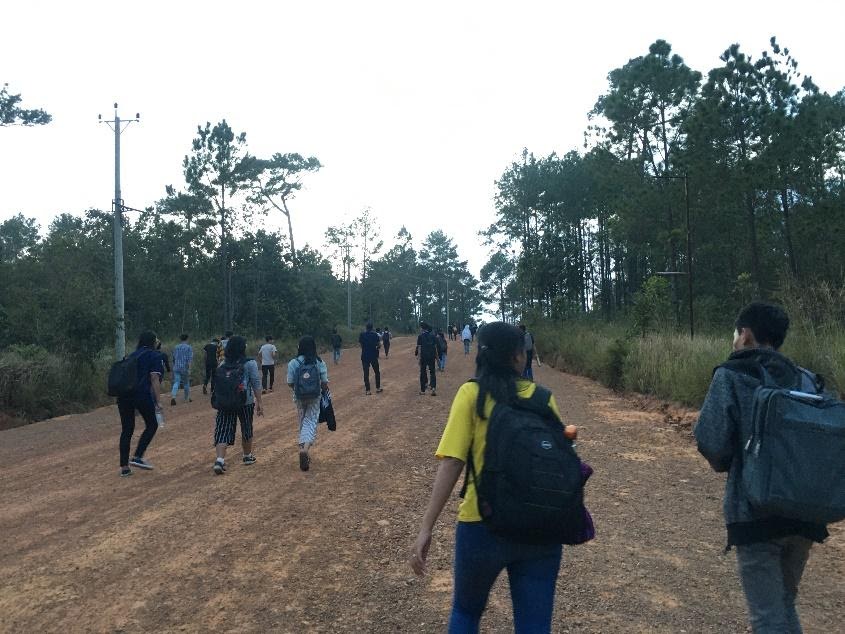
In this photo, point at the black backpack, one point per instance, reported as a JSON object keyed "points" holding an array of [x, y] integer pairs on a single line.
{"points": [[428, 346], [228, 392], [306, 382], [792, 463], [531, 488], [123, 377]]}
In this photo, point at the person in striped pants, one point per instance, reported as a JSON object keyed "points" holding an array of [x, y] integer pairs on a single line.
{"points": [[307, 409], [226, 421]]}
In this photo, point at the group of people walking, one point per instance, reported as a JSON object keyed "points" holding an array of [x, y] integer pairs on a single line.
{"points": [[237, 385], [772, 547], [772, 540]]}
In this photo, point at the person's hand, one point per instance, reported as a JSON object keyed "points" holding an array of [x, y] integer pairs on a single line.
{"points": [[419, 553], [259, 409]]}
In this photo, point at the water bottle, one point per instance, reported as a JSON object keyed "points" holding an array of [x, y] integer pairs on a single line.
{"points": [[160, 418]]}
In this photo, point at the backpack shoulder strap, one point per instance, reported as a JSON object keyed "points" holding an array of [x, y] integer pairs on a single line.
{"points": [[470, 469], [538, 403]]}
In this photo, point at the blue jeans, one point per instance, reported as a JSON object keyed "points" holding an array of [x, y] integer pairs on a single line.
{"points": [[336, 355], [532, 572], [770, 572], [182, 377], [466, 346], [442, 362]]}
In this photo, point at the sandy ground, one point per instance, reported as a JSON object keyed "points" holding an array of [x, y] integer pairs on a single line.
{"points": [[268, 548]]}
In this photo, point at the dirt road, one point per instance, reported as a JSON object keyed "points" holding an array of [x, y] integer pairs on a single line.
{"points": [[267, 548]]}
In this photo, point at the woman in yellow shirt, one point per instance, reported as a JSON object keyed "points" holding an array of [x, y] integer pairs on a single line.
{"points": [[480, 555]]}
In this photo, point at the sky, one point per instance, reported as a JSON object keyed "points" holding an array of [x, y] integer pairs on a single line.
{"points": [[413, 108]]}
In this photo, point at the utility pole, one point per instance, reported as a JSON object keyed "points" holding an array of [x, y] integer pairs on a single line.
{"points": [[348, 260], [688, 272], [689, 258], [118, 126], [447, 302]]}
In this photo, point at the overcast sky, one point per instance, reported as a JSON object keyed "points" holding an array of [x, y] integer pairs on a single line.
{"points": [[414, 109]]}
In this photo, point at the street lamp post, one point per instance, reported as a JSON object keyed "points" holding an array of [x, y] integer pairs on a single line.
{"points": [[118, 126]]}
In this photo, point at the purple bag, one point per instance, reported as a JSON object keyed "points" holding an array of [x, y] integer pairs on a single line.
{"points": [[587, 530]]}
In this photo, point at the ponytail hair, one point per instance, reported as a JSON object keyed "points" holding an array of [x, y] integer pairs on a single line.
{"points": [[307, 348], [235, 349], [498, 345]]}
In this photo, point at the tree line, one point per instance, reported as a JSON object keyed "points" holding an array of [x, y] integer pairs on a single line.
{"points": [[198, 260], [761, 150]]}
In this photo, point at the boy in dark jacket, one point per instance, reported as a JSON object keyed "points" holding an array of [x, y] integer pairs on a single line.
{"points": [[210, 350], [427, 351], [771, 551]]}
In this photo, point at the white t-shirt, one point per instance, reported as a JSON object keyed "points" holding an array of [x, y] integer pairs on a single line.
{"points": [[266, 352]]}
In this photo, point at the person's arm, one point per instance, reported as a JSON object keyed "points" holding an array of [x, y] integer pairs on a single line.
{"points": [[444, 482], [715, 431], [255, 385], [290, 374], [259, 409], [324, 375], [155, 379]]}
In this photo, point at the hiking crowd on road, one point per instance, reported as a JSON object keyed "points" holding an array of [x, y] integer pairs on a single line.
{"points": [[767, 423]]}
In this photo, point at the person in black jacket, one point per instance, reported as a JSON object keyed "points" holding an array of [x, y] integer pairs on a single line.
{"points": [[427, 352], [210, 350], [442, 348], [771, 551], [385, 341], [337, 345], [370, 343]]}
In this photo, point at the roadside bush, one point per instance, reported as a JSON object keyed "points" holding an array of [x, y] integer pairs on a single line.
{"points": [[672, 366], [36, 384]]}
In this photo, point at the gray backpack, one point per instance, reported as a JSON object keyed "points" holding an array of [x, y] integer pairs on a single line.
{"points": [[306, 384], [794, 461]]}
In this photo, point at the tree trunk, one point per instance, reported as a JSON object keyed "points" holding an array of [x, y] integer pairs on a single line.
{"points": [[290, 229], [752, 230], [787, 231], [224, 264]]}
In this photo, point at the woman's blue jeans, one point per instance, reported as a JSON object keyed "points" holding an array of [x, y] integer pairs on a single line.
{"points": [[532, 572]]}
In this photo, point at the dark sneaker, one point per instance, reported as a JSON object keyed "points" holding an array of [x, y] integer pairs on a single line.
{"points": [[204, 390], [249, 459], [219, 467], [304, 461], [422, 391], [369, 393], [141, 464], [271, 389], [125, 471], [379, 390], [264, 391], [433, 392], [173, 401]]}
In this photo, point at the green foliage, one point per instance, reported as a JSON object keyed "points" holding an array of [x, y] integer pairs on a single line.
{"points": [[276, 182], [652, 307], [12, 114], [18, 236], [754, 146], [36, 383], [674, 367]]}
